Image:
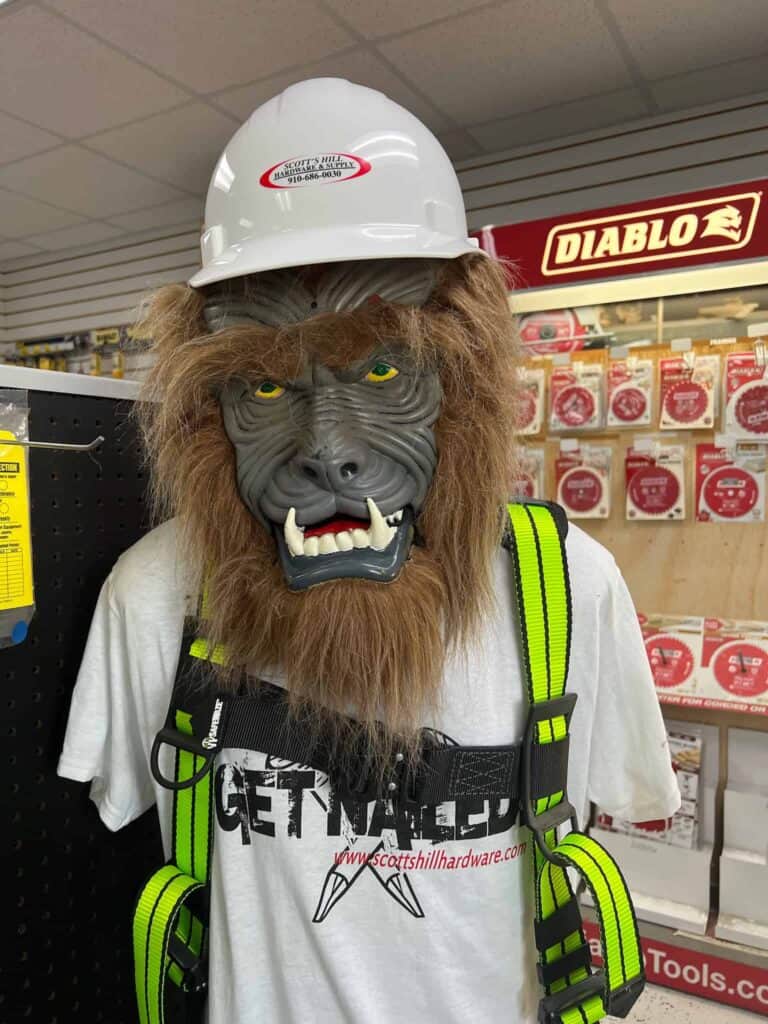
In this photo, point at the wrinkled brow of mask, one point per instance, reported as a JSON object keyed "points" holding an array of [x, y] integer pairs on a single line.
{"points": [[338, 342]]}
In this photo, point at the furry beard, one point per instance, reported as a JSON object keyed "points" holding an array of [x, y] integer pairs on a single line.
{"points": [[346, 647]]}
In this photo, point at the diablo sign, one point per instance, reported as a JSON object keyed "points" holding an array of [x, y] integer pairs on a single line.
{"points": [[684, 229], [698, 228]]}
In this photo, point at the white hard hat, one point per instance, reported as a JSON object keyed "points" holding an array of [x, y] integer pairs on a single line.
{"points": [[330, 171]]}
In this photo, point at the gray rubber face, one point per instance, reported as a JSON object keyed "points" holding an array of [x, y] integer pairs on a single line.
{"points": [[337, 463]]}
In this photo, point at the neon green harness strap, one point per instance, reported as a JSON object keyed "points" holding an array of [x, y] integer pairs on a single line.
{"points": [[168, 939], [574, 992]]}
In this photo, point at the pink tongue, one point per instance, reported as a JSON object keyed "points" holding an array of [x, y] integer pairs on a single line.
{"points": [[335, 526]]}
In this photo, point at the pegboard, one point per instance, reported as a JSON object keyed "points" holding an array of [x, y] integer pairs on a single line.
{"points": [[69, 884]]}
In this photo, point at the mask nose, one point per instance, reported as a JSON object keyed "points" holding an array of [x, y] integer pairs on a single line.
{"points": [[332, 474]]}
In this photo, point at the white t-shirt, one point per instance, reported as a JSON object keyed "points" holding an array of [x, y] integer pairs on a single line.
{"points": [[435, 924]]}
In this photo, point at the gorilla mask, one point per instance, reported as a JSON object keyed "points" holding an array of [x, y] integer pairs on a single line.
{"points": [[351, 426]]}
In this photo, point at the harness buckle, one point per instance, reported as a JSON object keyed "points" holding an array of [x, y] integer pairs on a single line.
{"points": [[564, 811], [552, 1007], [195, 968], [621, 1000]]}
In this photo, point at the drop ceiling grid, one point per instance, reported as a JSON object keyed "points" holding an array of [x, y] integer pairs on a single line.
{"points": [[84, 165]]}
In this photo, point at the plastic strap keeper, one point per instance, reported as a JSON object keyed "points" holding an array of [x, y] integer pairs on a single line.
{"points": [[545, 821]]}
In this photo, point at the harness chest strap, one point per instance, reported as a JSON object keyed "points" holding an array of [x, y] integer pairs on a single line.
{"points": [[169, 939]]}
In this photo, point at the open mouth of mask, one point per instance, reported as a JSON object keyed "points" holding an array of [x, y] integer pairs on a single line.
{"points": [[344, 547]]}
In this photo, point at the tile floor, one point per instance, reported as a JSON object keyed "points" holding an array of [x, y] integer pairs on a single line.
{"points": [[665, 1005]]}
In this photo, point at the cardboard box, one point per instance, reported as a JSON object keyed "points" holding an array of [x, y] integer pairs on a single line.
{"points": [[669, 885]]}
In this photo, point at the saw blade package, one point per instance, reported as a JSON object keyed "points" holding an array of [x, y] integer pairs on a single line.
{"points": [[688, 391], [655, 482], [530, 401], [528, 480], [730, 482], [583, 478], [630, 392], [576, 397], [673, 644], [746, 396], [734, 665]]}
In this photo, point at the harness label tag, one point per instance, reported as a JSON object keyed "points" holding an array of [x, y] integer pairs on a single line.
{"points": [[212, 739]]}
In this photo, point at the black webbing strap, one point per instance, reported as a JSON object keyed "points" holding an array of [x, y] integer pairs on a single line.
{"points": [[262, 721]]}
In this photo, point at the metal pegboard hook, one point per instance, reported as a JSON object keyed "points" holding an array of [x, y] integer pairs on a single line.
{"points": [[55, 445]]}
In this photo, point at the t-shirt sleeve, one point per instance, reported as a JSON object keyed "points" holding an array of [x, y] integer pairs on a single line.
{"points": [[630, 770], [103, 741]]}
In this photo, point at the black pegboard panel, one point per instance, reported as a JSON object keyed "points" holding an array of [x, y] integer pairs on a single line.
{"points": [[69, 884]]}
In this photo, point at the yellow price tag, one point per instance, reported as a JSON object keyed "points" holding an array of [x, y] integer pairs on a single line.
{"points": [[16, 587]]}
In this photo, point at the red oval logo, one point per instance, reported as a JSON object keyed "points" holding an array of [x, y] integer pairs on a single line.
{"points": [[321, 169]]}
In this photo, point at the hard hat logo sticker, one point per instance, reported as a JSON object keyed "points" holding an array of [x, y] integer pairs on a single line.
{"points": [[321, 169]]}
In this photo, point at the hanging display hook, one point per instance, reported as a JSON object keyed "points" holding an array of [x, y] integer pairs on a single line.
{"points": [[55, 445]]}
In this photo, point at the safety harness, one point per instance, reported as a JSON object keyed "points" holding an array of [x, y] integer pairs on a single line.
{"points": [[169, 926]]}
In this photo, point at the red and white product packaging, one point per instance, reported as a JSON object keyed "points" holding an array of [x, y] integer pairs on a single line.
{"points": [[683, 828], [529, 479], [688, 386], [583, 480], [576, 397], [530, 401], [746, 396], [730, 483], [655, 481], [734, 663], [560, 330], [630, 393], [673, 644]]}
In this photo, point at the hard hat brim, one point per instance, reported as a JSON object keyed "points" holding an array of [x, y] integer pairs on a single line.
{"points": [[330, 245]]}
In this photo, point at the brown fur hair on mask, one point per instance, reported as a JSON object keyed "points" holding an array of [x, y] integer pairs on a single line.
{"points": [[346, 647]]}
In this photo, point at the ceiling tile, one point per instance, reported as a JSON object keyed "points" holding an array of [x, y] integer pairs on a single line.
{"points": [[711, 85], [561, 120], [380, 19], [182, 211], [361, 66], [180, 146], [18, 139], [668, 38], [86, 182], [81, 234], [511, 58], [11, 250], [21, 216], [53, 74], [459, 145], [209, 45]]}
